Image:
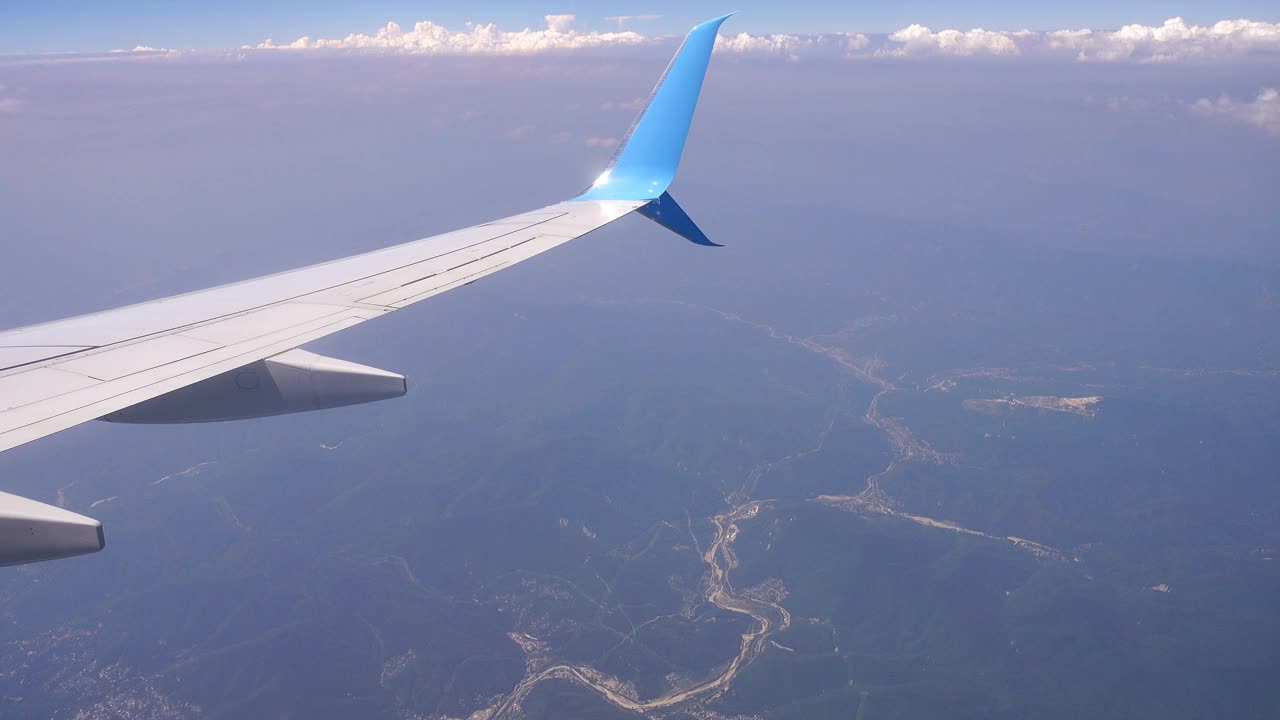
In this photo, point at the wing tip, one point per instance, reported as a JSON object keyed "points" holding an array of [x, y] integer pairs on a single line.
{"points": [[716, 21], [646, 161]]}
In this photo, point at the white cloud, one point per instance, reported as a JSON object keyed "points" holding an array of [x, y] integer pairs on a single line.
{"points": [[604, 142], [428, 38], [1174, 40], [918, 40], [792, 47], [560, 23], [143, 49], [1262, 112]]}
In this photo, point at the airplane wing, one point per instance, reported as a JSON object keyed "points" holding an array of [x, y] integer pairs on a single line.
{"points": [[232, 351]]}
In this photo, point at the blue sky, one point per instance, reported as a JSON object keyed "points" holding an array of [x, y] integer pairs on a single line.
{"points": [[85, 25]]}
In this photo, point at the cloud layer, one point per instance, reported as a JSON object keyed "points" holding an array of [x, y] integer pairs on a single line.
{"points": [[1174, 40], [793, 47], [428, 38]]}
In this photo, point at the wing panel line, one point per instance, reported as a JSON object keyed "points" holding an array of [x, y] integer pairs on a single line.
{"points": [[287, 272], [257, 308]]}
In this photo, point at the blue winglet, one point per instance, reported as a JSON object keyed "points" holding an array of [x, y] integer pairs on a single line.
{"points": [[667, 212], [646, 162]]}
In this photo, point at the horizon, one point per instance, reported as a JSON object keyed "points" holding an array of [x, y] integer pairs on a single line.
{"points": [[33, 28]]}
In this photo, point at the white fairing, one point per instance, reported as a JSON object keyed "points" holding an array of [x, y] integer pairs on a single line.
{"points": [[296, 381], [31, 531]]}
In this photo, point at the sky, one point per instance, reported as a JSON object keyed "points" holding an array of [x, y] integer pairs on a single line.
{"points": [[38, 26], [131, 176], [151, 174], [1157, 139]]}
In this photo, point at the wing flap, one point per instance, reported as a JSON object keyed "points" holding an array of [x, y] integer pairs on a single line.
{"points": [[36, 384], [410, 293], [119, 362]]}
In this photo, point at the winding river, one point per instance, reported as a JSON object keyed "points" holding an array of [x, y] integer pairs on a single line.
{"points": [[718, 590]]}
